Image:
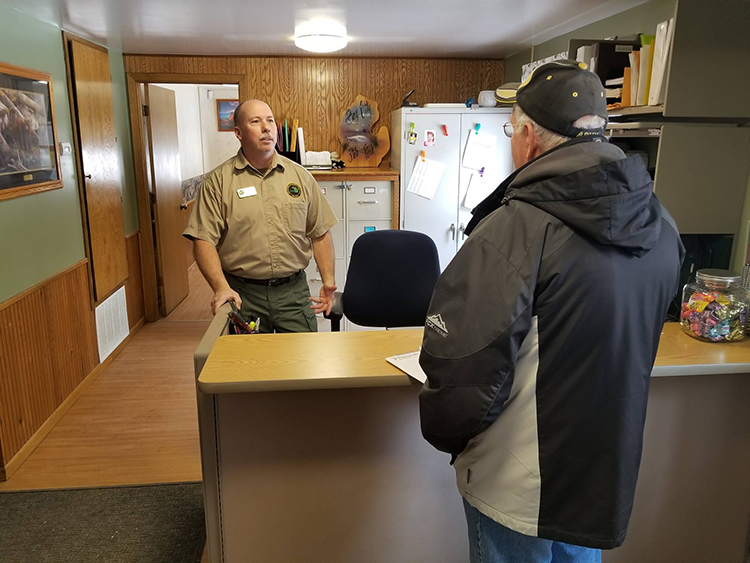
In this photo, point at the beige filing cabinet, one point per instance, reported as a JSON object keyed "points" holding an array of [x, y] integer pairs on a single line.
{"points": [[363, 200]]}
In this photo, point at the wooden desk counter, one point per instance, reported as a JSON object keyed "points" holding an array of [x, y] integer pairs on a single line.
{"points": [[679, 354], [278, 362], [331, 452], [323, 360]]}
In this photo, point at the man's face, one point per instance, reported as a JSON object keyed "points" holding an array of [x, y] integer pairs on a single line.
{"points": [[256, 128]]}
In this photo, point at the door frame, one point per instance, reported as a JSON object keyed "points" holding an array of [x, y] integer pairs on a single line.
{"points": [[135, 81]]}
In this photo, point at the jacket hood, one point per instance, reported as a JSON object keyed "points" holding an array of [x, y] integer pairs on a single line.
{"points": [[596, 190]]}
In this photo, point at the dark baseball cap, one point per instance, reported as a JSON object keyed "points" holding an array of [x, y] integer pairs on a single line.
{"points": [[556, 95]]}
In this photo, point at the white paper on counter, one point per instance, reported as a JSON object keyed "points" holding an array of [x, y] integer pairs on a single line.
{"points": [[479, 150], [409, 364], [426, 177]]}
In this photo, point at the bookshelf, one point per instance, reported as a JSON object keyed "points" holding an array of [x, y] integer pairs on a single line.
{"points": [[697, 143]]}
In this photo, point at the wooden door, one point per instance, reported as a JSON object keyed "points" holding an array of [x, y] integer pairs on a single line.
{"points": [[164, 155], [99, 167]]}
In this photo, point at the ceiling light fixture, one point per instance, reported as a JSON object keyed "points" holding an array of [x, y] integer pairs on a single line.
{"points": [[320, 36]]}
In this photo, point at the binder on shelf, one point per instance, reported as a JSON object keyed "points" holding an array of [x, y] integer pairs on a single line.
{"points": [[635, 63], [295, 126], [662, 45], [612, 57], [644, 78], [301, 147], [626, 88]]}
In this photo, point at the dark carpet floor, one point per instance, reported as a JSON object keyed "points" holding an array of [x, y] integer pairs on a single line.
{"points": [[149, 524]]}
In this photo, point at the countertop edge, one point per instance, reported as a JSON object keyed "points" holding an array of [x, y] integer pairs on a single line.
{"points": [[303, 384], [700, 369]]}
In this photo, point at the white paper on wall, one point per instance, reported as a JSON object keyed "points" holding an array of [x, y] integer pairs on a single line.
{"points": [[426, 177], [477, 191], [479, 150]]}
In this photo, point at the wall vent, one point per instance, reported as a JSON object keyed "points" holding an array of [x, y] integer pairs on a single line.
{"points": [[111, 323]]}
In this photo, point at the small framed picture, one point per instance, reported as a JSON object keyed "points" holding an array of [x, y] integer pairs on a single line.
{"points": [[29, 155], [225, 112], [429, 138]]}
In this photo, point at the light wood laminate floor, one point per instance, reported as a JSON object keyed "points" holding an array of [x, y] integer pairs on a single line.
{"points": [[137, 423]]}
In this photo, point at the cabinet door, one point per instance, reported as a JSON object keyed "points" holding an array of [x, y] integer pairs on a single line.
{"points": [[334, 193], [436, 217], [701, 176], [496, 169]]}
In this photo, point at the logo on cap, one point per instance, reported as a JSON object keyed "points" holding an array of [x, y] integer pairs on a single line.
{"points": [[293, 190]]}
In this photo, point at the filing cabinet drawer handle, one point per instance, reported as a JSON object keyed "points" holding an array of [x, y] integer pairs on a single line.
{"points": [[368, 201]]}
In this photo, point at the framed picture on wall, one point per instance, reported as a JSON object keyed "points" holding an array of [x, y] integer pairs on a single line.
{"points": [[225, 112], [29, 157]]}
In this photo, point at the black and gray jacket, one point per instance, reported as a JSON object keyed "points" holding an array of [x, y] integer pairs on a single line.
{"points": [[540, 340]]}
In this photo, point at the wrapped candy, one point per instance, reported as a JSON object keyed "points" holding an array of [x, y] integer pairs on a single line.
{"points": [[715, 307]]}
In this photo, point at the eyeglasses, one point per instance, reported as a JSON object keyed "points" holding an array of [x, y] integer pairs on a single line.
{"points": [[508, 129]]}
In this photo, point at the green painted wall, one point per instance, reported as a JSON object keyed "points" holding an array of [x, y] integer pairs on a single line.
{"points": [[42, 234], [641, 19]]}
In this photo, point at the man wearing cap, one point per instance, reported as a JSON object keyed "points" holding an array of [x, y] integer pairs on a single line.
{"points": [[257, 220], [543, 330]]}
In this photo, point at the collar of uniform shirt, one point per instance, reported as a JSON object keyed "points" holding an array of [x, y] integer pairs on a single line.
{"points": [[240, 163]]}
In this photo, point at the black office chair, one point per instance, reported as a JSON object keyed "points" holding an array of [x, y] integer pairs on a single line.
{"points": [[390, 280]]}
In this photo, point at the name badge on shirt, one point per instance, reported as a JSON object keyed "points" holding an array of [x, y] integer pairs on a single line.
{"points": [[247, 192]]}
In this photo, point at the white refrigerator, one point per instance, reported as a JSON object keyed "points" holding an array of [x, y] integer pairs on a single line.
{"points": [[443, 135]]}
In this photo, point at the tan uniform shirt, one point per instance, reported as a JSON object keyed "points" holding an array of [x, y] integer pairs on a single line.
{"points": [[261, 223]]}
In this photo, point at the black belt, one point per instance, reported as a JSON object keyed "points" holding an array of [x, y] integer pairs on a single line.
{"points": [[273, 282]]}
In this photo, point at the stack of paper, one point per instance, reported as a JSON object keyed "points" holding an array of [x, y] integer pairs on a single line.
{"points": [[584, 54], [321, 159]]}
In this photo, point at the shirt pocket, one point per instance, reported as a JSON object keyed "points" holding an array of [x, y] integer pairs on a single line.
{"points": [[295, 219]]}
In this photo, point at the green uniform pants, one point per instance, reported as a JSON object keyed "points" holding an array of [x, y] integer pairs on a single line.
{"points": [[284, 308]]}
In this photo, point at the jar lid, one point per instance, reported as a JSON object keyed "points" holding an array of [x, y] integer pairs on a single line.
{"points": [[717, 276]]}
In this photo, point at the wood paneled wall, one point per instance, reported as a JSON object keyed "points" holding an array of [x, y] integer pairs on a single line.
{"points": [[317, 90], [134, 285], [47, 348]]}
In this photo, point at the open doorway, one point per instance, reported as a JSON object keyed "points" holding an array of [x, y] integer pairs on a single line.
{"points": [[205, 139], [179, 137]]}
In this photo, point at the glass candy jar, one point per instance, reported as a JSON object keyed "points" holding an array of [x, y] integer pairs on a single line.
{"points": [[715, 307]]}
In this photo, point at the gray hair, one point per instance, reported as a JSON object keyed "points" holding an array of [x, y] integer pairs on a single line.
{"points": [[549, 139]]}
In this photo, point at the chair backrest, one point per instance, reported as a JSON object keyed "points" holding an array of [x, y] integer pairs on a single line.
{"points": [[390, 280]]}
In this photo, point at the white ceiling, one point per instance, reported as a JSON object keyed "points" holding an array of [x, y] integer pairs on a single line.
{"points": [[396, 28]]}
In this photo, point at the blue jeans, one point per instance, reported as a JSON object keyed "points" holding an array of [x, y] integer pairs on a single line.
{"points": [[490, 542]]}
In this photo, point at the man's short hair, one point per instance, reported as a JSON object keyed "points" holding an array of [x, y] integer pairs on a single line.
{"points": [[236, 113]]}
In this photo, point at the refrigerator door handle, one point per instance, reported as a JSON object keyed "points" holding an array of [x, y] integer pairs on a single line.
{"points": [[452, 229], [462, 230]]}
